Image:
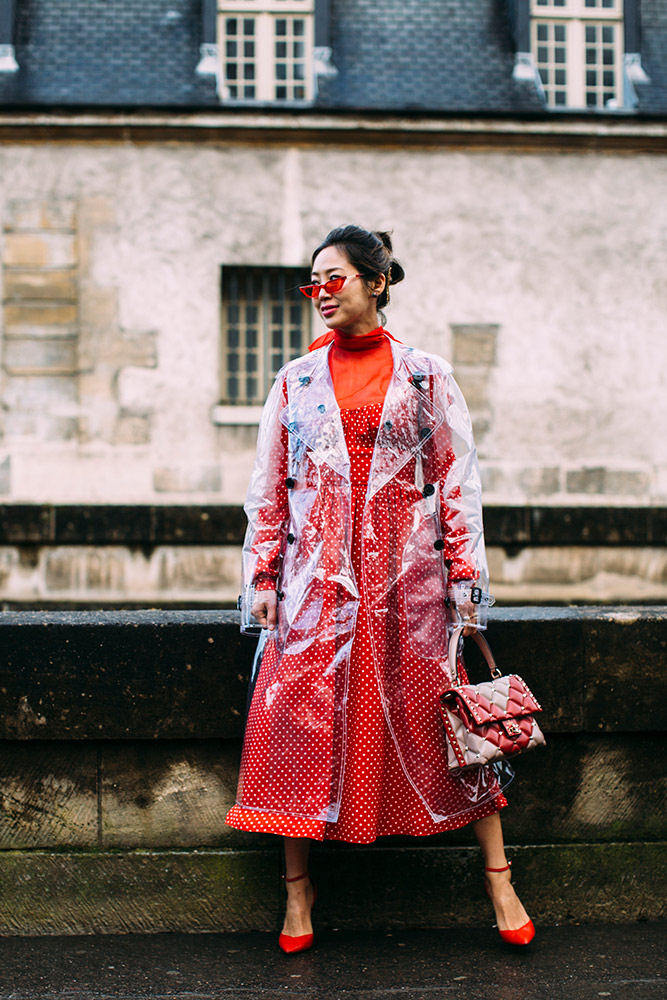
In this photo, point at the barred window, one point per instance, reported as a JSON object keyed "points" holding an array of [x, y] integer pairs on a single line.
{"points": [[578, 49], [265, 323], [266, 48]]}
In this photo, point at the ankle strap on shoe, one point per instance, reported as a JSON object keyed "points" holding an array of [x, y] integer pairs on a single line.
{"points": [[505, 869], [297, 878]]}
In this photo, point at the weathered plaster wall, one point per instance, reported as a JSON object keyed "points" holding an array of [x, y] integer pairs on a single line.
{"points": [[539, 274], [208, 575]]}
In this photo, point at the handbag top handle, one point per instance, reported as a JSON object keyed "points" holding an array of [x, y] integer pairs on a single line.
{"points": [[483, 645]]}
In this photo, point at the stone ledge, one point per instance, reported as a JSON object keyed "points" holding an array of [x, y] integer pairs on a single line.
{"points": [[151, 891], [576, 525], [140, 524], [174, 795], [178, 674], [219, 524], [111, 893]]}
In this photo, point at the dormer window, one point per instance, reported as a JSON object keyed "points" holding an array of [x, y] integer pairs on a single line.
{"points": [[577, 46], [266, 50]]}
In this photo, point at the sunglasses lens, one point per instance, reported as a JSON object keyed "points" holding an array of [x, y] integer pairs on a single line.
{"points": [[334, 285]]}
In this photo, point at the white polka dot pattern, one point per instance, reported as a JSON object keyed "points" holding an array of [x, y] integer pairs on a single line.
{"points": [[377, 799]]}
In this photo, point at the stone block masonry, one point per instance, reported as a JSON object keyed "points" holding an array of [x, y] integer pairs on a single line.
{"points": [[119, 757], [40, 249], [474, 349], [40, 264], [110, 353], [66, 356], [40, 284], [82, 556]]}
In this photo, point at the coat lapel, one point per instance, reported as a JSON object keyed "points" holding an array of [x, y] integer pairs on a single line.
{"points": [[409, 416], [312, 414]]}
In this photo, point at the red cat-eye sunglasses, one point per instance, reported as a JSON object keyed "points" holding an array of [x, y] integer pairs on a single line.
{"points": [[331, 286]]}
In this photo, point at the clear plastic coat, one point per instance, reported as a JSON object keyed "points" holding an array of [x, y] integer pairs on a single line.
{"points": [[422, 537]]}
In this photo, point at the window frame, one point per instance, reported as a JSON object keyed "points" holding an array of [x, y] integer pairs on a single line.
{"points": [[576, 16], [293, 276], [267, 6], [577, 8], [265, 13]]}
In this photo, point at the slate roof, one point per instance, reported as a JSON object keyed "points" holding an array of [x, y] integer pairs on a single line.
{"points": [[653, 96], [393, 55], [441, 55], [107, 52]]}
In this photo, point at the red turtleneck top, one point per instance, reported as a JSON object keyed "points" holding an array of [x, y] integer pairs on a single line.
{"points": [[361, 366]]}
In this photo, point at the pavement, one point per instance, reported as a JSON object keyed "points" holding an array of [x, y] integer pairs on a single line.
{"points": [[574, 962]]}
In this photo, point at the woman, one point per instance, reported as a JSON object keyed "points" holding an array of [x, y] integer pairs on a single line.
{"points": [[364, 514]]}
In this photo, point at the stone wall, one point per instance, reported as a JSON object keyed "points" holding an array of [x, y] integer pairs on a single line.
{"points": [[120, 741], [165, 556], [209, 576], [40, 356], [536, 272]]}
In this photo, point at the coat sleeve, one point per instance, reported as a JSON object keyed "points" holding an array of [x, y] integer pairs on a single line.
{"points": [[460, 490], [266, 506]]}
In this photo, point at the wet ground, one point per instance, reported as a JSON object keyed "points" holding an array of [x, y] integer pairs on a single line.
{"points": [[574, 962]]}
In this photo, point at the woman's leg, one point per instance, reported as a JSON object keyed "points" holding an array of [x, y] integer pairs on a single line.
{"points": [[510, 913], [299, 894]]}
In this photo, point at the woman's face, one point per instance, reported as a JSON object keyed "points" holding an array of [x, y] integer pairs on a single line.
{"points": [[352, 308]]}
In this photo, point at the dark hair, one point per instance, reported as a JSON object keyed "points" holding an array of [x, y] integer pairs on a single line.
{"points": [[370, 252]]}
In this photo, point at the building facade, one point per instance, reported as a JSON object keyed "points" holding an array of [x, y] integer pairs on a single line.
{"points": [[166, 168]]}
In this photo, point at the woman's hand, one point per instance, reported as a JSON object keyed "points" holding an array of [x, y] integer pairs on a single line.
{"points": [[265, 608], [463, 612]]}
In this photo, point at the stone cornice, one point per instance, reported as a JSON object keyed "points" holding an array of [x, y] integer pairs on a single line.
{"points": [[556, 133]]}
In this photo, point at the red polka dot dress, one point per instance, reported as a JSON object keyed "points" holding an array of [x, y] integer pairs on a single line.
{"points": [[377, 798]]}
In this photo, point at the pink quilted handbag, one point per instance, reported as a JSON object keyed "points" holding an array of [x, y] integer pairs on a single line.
{"points": [[486, 722]]}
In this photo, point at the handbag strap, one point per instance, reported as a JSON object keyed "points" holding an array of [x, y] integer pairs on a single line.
{"points": [[483, 645]]}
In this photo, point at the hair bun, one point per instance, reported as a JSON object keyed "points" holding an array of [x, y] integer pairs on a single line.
{"points": [[396, 273], [385, 239]]}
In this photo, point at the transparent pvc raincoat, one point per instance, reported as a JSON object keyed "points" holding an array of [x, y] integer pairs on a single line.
{"points": [[422, 523]]}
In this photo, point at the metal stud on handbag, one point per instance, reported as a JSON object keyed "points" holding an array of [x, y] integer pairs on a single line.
{"points": [[488, 721]]}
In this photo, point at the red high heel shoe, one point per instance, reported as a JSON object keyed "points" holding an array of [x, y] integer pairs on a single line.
{"points": [[301, 942], [522, 935]]}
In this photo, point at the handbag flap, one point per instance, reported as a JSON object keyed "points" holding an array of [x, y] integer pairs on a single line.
{"points": [[507, 697]]}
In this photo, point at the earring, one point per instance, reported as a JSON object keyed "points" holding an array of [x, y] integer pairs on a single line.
{"points": [[375, 295]]}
